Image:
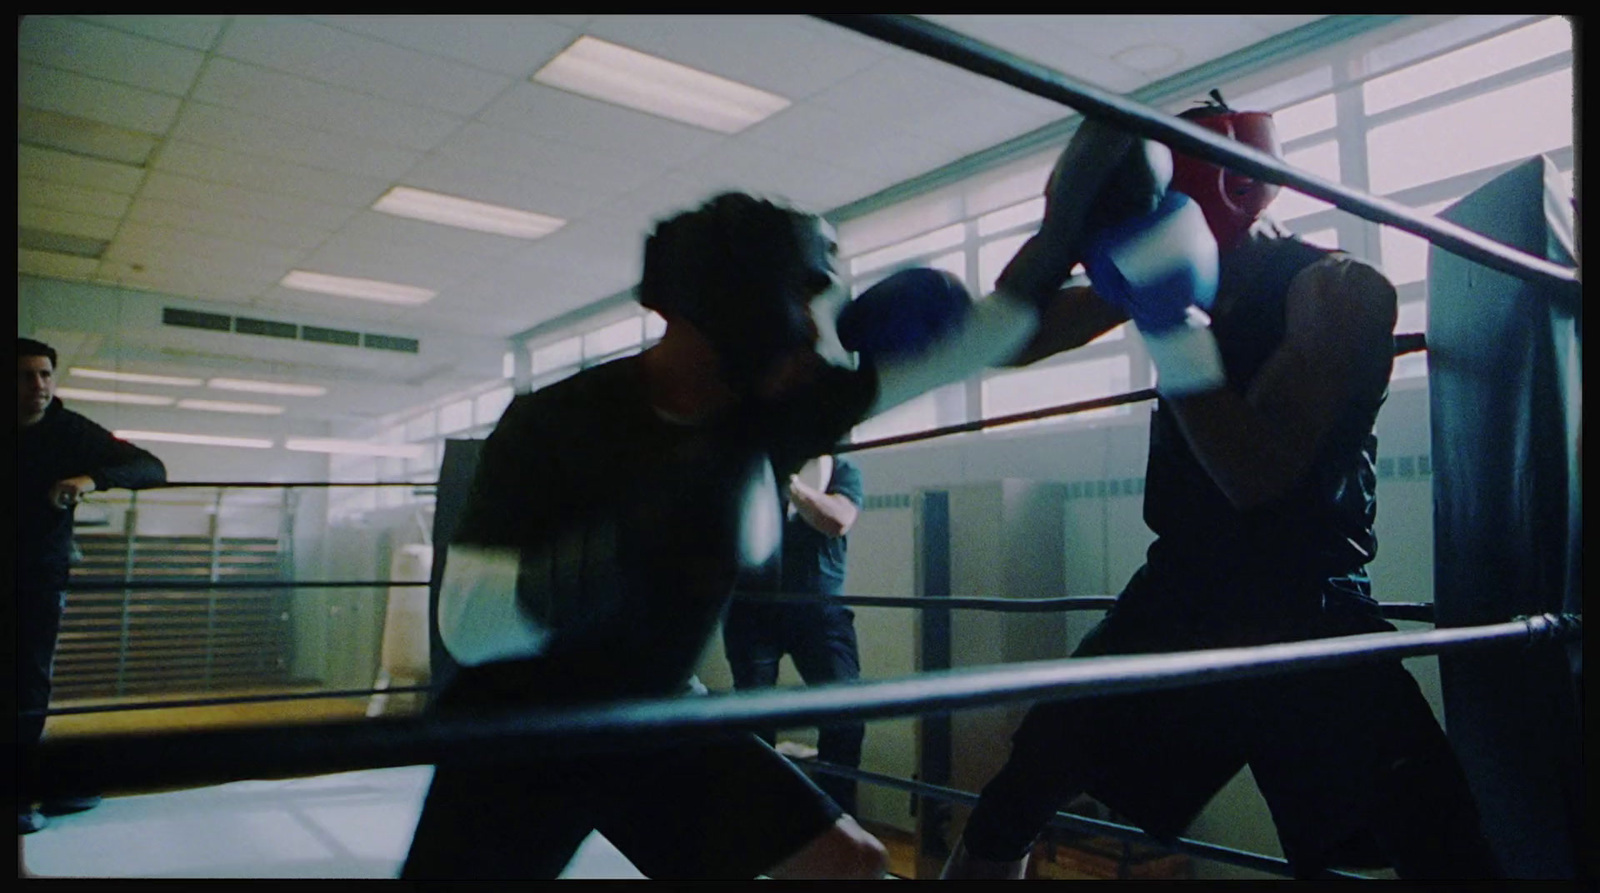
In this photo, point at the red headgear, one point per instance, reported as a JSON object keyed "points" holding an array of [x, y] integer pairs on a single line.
{"points": [[1231, 201]]}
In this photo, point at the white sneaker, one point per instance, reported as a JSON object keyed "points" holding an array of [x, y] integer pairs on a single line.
{"points": [[796, 750]]}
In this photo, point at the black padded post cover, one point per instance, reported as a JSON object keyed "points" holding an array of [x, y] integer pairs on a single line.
{"points": [[1505, 368]]}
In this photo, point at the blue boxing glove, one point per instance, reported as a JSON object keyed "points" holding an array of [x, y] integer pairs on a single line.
{"points": [[904, 313], [1156, 267], [1103, 176]]}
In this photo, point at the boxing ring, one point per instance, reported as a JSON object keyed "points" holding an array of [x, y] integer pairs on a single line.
{"points": [[1479, 622]]}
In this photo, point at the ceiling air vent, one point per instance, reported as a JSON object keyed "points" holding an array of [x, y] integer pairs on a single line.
{"points": [[390, 342], [330, 336], [247, 326], [244, 325], [194, 319]]}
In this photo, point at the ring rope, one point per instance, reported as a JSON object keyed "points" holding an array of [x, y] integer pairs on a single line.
{"points": [[1410, 342], [207, 756], [935, 41], [1393, 610], [231, 700], [205, 586], [1417, 611], [267, 485]]}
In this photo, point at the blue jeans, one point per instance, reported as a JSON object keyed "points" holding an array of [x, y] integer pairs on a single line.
{"points": [[821, 640]]}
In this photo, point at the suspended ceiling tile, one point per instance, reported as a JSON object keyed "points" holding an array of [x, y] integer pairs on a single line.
{"points": [[827, 135], [413, 243], [48, 263], [599, 250], [75, 170], [228, 285], [548, 112], [513, 189], [223, 224], [257, 173], [194, 31], [345, 92], [370, 316], [71, 223], [1064, 42], [1008, 99], [577, 167], [270, 94], [225, 128], [894, 93], [661, 198], [379, 230], [81, 136], [250, 203], [137, 240], [515, 45], [360, 63], [435, 272], [97, 100], [68, 44], [538, 292], [1271, 25], [810, 185], [1141, 41], [76, 199], [770, 52], [969, 124]]}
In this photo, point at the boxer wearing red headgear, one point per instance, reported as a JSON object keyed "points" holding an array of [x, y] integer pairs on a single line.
{"points": [[1260, 487], [1232, 202]]}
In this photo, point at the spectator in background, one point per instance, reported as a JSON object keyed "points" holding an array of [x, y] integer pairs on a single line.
{"points": [[823, 501], [61, 457]]}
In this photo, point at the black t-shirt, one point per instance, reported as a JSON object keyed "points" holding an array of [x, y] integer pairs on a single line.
{"points": [[629, 524]]}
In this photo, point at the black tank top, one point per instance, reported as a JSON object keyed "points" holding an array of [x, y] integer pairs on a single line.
{"points": [[1317, 538]]}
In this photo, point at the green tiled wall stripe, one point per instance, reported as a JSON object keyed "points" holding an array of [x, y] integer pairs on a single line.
{"points": [[877, 501], [1394, 467]]}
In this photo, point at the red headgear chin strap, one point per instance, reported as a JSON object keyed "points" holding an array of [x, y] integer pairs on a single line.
{"points": [[1231, 201]]}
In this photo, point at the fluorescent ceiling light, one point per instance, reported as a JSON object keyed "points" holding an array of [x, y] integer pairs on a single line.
{"points": [[224, 406], [355, 447], [434, 207], [606, 71], [251, 443], [267, 387], [365, 289], [135, 377], [113, 397]]}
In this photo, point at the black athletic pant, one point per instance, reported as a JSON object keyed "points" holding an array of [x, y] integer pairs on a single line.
{"points": [[1351, 761], [821, 639], [38, 618]]}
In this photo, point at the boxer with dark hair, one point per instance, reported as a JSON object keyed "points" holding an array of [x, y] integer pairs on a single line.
{"points": [[1261, 490], [612, 512]]}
